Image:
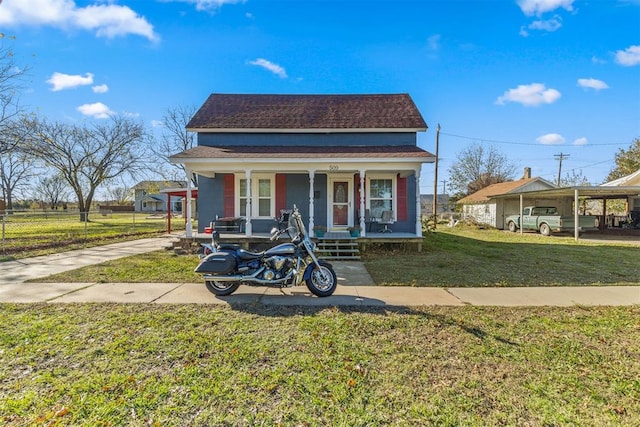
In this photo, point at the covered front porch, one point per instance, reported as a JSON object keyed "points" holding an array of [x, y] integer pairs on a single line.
{"points": [[352, 188]]}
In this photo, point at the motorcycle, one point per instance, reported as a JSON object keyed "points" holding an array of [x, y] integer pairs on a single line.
{"points": [[226, 266]]}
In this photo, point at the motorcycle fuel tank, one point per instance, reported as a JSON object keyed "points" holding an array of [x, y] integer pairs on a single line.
{"points": [[217, 263], [283, 250]]}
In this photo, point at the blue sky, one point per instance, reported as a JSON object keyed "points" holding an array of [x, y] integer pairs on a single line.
{"points": [[533, 78]]}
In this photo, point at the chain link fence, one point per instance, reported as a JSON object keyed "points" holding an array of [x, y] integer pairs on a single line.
{"points": [[29, 232]]}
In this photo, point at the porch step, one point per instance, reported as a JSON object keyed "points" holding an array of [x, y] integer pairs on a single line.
{"points": [[338, 249]]}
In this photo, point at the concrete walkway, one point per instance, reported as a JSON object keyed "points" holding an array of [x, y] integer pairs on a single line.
{"points": [[355, 287]]}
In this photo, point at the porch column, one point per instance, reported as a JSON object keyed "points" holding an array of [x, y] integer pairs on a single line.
{"points": [[419, 205], [312, 174], [189, 225], [363, 226], [247, 228]]}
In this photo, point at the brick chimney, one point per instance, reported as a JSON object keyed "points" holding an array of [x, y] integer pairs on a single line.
{"points": [[527, 173]]}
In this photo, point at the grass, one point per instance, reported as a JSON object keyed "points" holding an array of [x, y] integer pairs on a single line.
{"points": [[142, 365], [28, 235], [467, 256], [463, 257]]}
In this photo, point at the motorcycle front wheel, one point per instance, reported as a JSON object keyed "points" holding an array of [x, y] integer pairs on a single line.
{"points": [[221, 288], [323, 281]]}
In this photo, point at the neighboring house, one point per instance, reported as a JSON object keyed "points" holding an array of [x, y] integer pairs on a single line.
{"points": [[444, 204], [633, 201], [148, 196], [337, 157], [486, 207]]}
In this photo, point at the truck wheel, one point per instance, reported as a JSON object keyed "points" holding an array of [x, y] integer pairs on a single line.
{"points": [[545, 230], [512, 227]]}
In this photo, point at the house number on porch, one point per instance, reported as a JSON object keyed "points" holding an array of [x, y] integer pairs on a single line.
{"points": [[334, 167]]}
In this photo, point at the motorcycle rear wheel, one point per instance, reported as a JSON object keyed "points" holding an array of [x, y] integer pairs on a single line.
{"points": [[221, 289], [323, 281]]}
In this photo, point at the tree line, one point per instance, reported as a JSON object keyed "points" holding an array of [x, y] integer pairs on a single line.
{"points": [[477, 166], [59, 160]]}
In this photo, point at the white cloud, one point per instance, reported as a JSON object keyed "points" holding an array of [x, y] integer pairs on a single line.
{"points": [[530, 95], [581, 141], [539, 7], [61, 81], [549, 25], [592, 84], [551, 139], [107, 20], [434, 42], [97, 110], [270, 66], [157, 123], [209, 5], [100, 89], [629, 57]]}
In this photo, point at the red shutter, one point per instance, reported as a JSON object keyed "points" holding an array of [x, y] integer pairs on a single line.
{"points": [[228, 198], [281, 193], [402, 199]]}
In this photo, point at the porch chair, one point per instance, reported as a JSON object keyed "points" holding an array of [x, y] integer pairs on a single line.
{"points": [[386, 220], [368, 220]]}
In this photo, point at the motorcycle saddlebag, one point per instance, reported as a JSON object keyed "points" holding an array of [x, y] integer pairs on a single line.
{"points": [[217, 263]]}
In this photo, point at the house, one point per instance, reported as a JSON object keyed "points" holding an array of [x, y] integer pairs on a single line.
{"points": [[444, 204], [486, 208], [150, 197], [632, 200], [336, 157]]}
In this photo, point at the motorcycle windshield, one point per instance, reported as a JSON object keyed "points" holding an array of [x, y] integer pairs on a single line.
{"points": [[297, 226]]}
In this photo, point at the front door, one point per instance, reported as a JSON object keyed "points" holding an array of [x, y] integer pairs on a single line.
{"points": [[341, 203]]}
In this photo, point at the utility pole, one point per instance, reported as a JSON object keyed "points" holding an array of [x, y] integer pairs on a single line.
{"points": [[560, 157], [444, 186], [435, 181]]}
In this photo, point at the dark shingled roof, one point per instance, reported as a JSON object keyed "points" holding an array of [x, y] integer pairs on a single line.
{"points": [[307, 112], [297, 152]]}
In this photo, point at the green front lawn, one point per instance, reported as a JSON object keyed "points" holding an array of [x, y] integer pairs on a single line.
{"points": [[150, 365]]}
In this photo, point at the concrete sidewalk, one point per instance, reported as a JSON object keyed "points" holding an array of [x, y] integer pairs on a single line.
{"points": [[355, 287]]}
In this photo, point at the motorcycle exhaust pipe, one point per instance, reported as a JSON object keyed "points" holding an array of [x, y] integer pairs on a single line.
{"points": [[235, 278]]}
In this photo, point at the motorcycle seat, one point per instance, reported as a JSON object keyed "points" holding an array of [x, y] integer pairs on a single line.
{"points": [[246, 255], [228, 247]]}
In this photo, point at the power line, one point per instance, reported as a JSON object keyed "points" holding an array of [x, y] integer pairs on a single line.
{"points": [[537, 144]]}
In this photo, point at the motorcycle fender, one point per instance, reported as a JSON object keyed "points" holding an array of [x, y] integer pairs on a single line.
{"points": [[310, 267]]}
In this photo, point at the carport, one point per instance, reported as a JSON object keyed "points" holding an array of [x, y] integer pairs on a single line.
{"points": [[572, 194]]}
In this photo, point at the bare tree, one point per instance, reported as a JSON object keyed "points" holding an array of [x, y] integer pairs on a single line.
{"points": [[121, 194], [479, 166], [175, 138], [574, 179], [16, 166], [51, 190], [10, 79], [15, 170], [87, 156]]}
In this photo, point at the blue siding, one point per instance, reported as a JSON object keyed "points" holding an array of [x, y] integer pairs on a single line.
{"points": [[305, 139], [210, 202], [211, 190]]}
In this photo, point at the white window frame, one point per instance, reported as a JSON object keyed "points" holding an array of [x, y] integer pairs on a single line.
{"points": [[255, 191], [394, 190]]}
